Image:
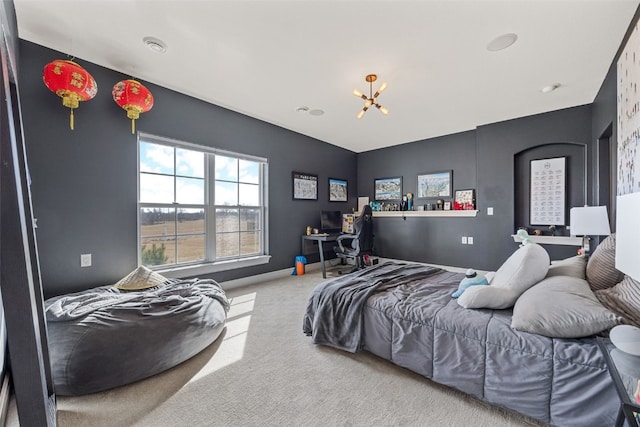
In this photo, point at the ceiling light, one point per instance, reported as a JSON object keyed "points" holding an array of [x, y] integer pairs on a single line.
{"points": [[316, 112], [372, 98], [502, 42], [302, 109], [155, 44], [550, 88]]}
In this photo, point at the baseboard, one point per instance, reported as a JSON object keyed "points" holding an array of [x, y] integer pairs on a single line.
{"points": [[259, 278]]}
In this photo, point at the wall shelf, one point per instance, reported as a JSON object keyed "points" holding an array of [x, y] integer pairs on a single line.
{"points": [[552, 240], [409, 214]]}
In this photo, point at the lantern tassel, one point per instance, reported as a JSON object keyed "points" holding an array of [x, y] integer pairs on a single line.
{"points": [[133, 125], [71, 119]]}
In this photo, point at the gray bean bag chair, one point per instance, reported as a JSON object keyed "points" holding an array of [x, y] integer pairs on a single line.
{"points": [[107, 337]]}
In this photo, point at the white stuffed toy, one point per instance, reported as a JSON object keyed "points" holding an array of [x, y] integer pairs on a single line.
{"points": [[471, 278], [524, 236]]}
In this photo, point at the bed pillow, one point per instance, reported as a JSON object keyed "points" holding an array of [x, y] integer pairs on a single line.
{"points": [[623, 299], [561, 307], [575, 266], [523, 269], [601, 268], [140, 278]]}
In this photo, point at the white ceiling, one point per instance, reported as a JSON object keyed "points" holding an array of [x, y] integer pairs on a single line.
{"points": [[266, 58]]}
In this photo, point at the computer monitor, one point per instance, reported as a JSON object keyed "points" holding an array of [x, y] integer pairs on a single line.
{"points": [[330, 221]]}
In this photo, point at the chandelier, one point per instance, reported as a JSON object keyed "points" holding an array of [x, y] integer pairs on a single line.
{"points": [[372, 99]]}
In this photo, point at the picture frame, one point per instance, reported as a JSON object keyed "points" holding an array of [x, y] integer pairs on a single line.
{"points": [[434, 185], [304, 186], [547, 193], [388, 188], [464, 200], [338, 190]]}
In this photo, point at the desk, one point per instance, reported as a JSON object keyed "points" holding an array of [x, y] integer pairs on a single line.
{"points": [[320, 238], [625, 372]]}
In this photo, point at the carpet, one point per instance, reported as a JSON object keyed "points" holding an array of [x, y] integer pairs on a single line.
{"points": [[263, 371]]}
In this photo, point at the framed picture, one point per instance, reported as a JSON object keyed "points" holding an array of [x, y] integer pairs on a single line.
{"points": [[547, 195], [337, 190], [388, 188], [447, 206], [464, 200], [305, 186], [434, 184]]}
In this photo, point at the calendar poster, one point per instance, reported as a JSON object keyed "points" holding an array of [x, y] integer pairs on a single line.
{"points": [[548, 178]]}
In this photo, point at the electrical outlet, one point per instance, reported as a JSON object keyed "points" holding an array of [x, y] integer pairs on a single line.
{"points": [[489, 211], [464, 240], [469, 240], [85, 260]]}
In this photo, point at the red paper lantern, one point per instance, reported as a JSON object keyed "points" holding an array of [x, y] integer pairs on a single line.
{"points": [[71, 82], [134, 98]]}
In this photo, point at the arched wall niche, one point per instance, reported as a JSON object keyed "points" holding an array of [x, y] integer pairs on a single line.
{"points": [[575, 181]]}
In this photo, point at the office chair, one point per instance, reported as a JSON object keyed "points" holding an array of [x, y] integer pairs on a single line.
{"points": [[355, 246]]}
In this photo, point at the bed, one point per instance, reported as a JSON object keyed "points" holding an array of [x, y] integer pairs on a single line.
{"points": [[109, 336], [405, 313]]}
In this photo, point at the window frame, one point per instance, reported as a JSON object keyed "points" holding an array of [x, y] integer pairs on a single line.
{"points": [[210, 264]]}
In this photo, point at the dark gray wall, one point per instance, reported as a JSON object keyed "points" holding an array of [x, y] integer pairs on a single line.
{"points": [[84, 181], [485, 160]]}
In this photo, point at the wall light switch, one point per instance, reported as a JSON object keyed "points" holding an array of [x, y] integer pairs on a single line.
{"points": [[489, 211], [85, 260], [470, 240], [464, 240]]}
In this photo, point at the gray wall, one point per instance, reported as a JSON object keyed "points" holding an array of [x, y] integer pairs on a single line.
{"points": [[84, 181], [486, 160]]}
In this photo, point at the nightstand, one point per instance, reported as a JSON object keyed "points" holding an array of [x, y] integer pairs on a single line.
{"points": [[625, 371]]}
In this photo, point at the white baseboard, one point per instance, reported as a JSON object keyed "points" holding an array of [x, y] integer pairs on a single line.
{"points": [[278, 274], [259, 278]]}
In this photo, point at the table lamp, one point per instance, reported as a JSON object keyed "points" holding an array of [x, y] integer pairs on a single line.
{"points": [[589, 221]]}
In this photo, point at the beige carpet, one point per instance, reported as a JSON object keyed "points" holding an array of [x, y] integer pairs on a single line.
{"points": [[263, 371]]}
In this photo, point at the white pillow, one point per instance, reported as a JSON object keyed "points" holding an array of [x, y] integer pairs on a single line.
{"points": [[523, 269]]}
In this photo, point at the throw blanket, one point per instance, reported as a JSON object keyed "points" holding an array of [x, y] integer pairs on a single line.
{"points": [[172, 296], [334, 314]]}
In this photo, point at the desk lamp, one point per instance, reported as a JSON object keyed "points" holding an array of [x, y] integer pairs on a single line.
{"points": [[589, 221]]}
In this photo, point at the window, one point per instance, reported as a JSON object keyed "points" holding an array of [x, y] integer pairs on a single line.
{"points": [[199, 205]]}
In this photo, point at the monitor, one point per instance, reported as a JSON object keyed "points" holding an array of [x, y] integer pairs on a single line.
{"points": [[330, 221]]}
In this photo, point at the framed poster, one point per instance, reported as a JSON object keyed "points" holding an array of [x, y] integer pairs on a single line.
{"points": [[337, 190], [434, 184], [305, 186], [388, 188], [464, 200], [547, 194]]}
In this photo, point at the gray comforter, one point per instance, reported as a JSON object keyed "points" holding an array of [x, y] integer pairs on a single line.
{"points": [[417, 325]]}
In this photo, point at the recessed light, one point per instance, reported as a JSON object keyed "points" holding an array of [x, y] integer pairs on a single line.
{"points": [[502, 42], [155, 44], [302, 109], [316, 112], [550, 88]]}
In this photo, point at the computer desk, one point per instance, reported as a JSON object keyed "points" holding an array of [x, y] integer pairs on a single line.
{"points": [[319, 238]]}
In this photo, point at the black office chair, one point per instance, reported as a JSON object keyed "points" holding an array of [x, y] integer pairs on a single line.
{"points": [[355, 246]]}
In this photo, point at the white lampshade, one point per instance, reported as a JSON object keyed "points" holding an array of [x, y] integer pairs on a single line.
{"points": [[589, 221]]}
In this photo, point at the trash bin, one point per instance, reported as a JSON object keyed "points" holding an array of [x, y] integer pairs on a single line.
{"points": [[298, 269]]}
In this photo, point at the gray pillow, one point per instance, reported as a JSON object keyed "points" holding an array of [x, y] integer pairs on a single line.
{"points": [[601, 267], [575, 267], [561, 307], [623, 299]]}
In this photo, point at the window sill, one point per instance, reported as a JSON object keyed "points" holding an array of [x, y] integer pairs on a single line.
{"points": [[213, 267]]}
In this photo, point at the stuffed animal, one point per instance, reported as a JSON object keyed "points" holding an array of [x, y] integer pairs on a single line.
{"points": [[471, 278], [522, 234]]}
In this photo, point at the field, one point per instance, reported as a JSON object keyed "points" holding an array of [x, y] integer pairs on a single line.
{"points": [[190, 244]]}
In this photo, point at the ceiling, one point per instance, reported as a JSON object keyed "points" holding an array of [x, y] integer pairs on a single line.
{"points": [[267, 58]]}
